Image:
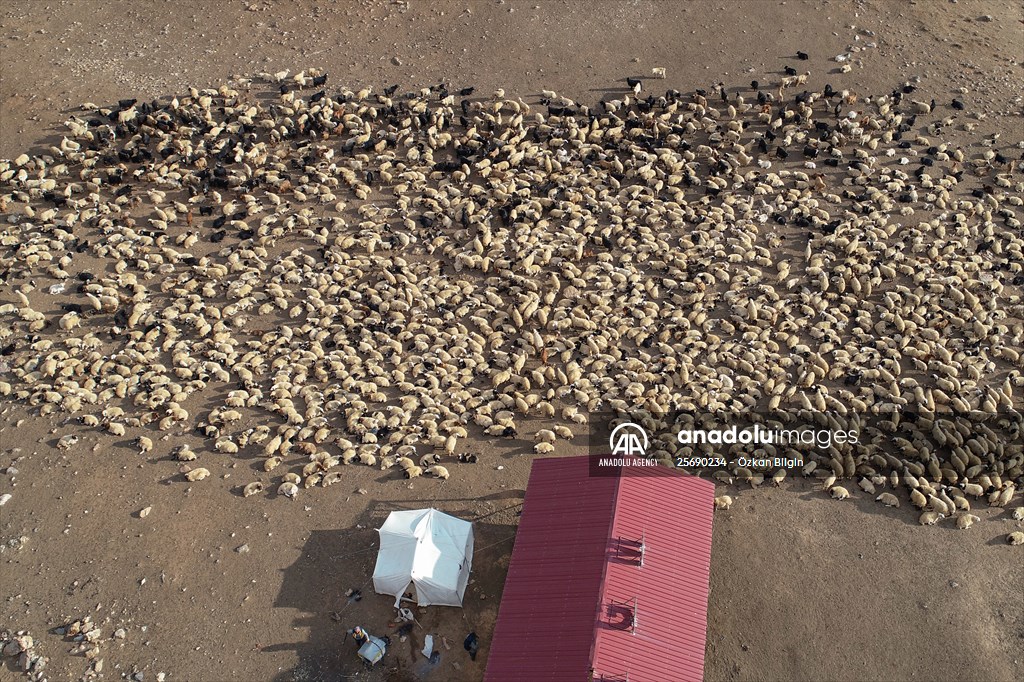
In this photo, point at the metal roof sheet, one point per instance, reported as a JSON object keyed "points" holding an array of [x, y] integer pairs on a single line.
{"points": [[652, 620], [576, 596], [545, 627]]}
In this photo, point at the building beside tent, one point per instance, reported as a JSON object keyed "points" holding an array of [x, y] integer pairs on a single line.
{"points": [[608, 580], [428, 550]]}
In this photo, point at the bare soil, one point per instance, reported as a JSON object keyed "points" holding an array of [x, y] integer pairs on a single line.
{"points": [[803, 587]]}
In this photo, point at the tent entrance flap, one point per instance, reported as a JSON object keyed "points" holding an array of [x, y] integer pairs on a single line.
{"points": [[429, 549]]}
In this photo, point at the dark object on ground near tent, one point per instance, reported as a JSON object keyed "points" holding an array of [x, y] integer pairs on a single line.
{"points": [[471, 644]]}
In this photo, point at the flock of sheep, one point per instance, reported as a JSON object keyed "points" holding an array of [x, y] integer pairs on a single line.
{"points": [[327, 277]]}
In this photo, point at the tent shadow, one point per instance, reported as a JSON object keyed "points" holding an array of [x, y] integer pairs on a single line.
{"points": [[333, 561]]}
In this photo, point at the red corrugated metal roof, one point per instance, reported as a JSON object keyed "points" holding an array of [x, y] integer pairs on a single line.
{"points": [[545, 627], [575, 579], [668, 593]]}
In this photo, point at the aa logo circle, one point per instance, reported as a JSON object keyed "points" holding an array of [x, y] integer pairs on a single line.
{"points": [[628, 440]]}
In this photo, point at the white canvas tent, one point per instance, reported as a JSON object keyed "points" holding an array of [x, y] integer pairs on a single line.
{"points": [[431, 550]]}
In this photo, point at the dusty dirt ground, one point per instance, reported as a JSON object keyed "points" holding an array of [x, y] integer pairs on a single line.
{"points": [[802, 587]]}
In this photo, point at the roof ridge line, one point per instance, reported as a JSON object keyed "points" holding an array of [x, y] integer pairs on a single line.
{"points": [[604, 565]]}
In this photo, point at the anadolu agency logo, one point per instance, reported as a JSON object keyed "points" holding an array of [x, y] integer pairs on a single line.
{"points": [[628, 440], [823, 438]]}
